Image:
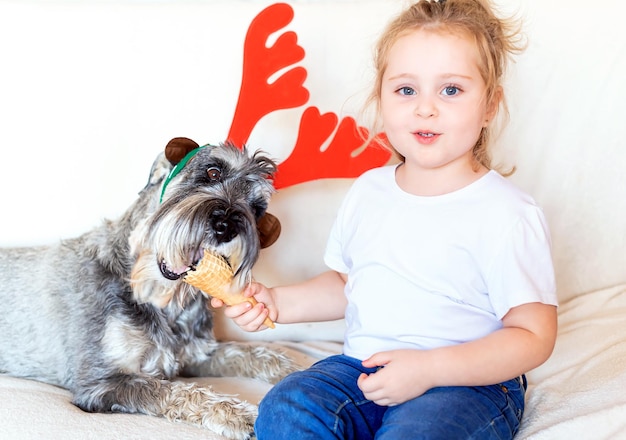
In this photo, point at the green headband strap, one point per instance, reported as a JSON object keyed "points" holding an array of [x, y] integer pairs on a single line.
{"points": [[177, 169]]}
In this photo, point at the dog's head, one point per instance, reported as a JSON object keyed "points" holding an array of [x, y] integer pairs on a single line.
{"points": [[213, 198]]}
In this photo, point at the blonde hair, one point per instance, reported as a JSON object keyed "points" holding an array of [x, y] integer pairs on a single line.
{"points": [[496, 39]]}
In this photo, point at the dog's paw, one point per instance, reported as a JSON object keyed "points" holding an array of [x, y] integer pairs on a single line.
{"points": [[231, 418], [245, 360], [284, 366], [271, 365], [221, 413]]}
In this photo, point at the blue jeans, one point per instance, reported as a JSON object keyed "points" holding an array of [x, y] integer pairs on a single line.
{"points": [[324, 402]]}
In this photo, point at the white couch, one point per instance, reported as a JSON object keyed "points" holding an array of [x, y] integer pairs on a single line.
{"points": [[91, 91]]}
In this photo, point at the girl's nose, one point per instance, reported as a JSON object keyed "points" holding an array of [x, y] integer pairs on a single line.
{"points": [[425, 107]]}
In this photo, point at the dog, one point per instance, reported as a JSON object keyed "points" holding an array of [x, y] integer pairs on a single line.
{"points": [[108, 316]]}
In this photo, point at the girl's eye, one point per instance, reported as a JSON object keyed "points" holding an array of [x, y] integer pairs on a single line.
{"points": [[406, 91], [214, 174], [450, 90]]}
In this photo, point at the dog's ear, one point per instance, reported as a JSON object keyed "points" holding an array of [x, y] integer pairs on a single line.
{"points": [[269, 229], [178, 148]]}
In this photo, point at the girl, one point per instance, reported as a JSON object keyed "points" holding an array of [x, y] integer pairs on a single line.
{"points": [[440, 266]]}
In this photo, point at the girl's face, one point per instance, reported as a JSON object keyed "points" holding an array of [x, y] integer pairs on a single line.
{"points": [[432, 100]]}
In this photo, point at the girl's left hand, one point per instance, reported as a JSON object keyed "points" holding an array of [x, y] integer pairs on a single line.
{"points": [[403, 377]]}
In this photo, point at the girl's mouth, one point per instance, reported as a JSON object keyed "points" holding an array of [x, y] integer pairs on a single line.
{"points": [[426, 137]]}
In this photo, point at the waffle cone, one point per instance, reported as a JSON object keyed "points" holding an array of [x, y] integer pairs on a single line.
{"points": [[213, 275]]}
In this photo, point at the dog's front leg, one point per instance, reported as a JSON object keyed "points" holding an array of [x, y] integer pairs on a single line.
{"points": [[244, 360], [220, 413], [174, 400]]}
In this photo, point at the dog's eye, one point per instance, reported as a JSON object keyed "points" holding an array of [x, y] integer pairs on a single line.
{"points": [[214, 173]]}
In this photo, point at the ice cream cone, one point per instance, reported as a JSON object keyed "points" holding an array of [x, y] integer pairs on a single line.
{"points": [[213, 275]]}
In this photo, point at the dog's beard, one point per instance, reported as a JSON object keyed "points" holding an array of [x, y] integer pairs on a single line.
{"points": [[149, 285], [172, 240]]}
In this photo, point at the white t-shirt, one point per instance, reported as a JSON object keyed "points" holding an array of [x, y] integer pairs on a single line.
{"points": [[426, 272]]}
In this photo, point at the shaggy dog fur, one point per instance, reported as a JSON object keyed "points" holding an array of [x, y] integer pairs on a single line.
{"points": [[107, 315]]}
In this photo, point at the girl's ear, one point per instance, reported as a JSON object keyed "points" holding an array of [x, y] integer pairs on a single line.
{"points": [[494, 105]]}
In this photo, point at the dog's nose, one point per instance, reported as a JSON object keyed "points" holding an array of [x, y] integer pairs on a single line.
{"points": [[224, 227], [221, 227]]}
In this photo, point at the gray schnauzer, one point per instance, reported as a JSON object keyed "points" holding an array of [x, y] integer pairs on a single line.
{"points": [[107, 314]]}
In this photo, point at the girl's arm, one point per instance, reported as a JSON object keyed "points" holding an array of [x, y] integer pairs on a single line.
{"points": [[318, 299], [525, 342]]}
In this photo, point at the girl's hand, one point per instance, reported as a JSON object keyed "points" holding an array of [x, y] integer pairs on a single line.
{"points": [[403, 376], [246, 316]]}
